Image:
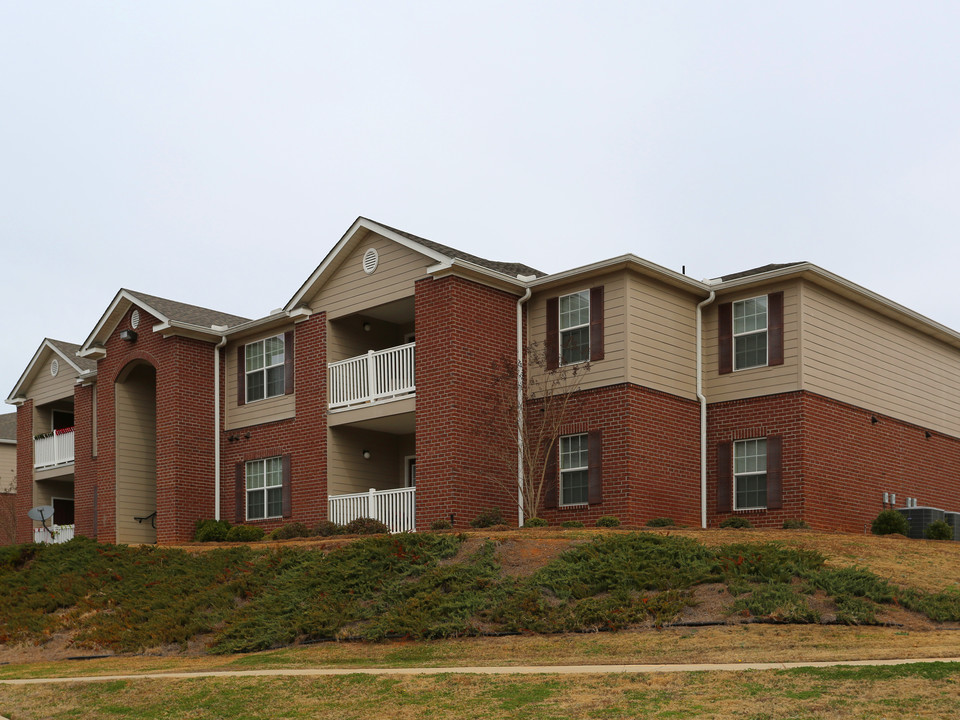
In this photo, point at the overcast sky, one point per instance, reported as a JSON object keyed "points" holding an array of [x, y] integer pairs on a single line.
{"points": [[213, 152]]}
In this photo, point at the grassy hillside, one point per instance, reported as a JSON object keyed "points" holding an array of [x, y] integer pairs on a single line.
{"points": [[125, 599]]}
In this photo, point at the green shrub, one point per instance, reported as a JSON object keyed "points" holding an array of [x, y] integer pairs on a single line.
{"points": [[366, 526], [661, 522], [777, 602], [488, 518], [938, 530], [440, 525], [571, 524], [244, 533], [608, 521], [736, 522], [890, 522], [852, 582], [290, 530], [795, 524], [535, 522], [325, 528], [856, 611], [211, 530]]}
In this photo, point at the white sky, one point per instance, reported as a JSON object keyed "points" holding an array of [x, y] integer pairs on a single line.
{"points": [[213, 152]]}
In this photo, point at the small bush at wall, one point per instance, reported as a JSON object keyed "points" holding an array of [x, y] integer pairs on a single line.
{"points": [[571, 524], [290, 530], [890, 522], [488, 518], [440, 525], [244, 533], [366, 526], [795, 524], [535, 522], [211, 530], [608, 521], [938, 530], [661, 522], [325, 528], [736, 522]]}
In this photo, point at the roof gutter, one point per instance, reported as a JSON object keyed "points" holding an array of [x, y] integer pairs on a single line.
{"points": [[703, 409]]}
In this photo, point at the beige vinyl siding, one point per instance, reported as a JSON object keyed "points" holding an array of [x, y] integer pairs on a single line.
{"points": [[661, 341], [136, 462], [755, 381], [613, 368], [349, 289], [8, 468], [267, 410], [348, 471], [45, 388], [861, 357]]}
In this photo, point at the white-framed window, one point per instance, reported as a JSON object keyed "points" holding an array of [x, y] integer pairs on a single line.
{"points": [[574, 327], [750, 474], [265, 368], [750, 333], [574, 466], [264, 488]]}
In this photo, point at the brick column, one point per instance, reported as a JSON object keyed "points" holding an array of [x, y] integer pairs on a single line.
{"points": [[24, 526]]}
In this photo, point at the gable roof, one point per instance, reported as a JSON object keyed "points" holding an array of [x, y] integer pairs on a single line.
{"points": [[175, 317], [443, 255], [67, 352], [760, 270], [8, 428]]}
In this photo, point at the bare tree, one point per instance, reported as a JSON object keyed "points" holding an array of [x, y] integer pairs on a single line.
{"points": [[548, 399]]}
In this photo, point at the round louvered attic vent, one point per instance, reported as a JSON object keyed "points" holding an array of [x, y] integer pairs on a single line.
{"points": [[54, 367], [135, 319], [370, 261]]}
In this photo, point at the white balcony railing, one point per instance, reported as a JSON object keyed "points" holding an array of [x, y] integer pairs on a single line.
{"points": [[397, 509], [378, 375], [53, 450], [55, 535]]}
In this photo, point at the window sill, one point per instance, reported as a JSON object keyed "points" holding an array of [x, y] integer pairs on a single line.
{"points": [[573, 506], [741, 511]]}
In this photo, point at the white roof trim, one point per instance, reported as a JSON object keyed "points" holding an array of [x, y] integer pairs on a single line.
{"points": [[120, 296], [5, 441], [360, 223], [629, 258], [11, 399]]}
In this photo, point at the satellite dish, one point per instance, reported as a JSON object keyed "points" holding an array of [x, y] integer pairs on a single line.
{"points": [[41, 513]]}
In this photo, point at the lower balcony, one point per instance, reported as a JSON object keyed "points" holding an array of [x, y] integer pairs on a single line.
{"points": [[55, 535], [396, 508], [53, 449], [378, 376]]}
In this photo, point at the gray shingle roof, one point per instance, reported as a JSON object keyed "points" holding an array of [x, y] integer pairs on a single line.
{"points": [[758, 270], [507, 268], [192, 314], [70, 350], [8, 426]]}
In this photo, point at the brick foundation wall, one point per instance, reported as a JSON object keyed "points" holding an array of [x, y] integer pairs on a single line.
{"points": [[650, 455], [463, 330], [303, 437], [24, 497]]}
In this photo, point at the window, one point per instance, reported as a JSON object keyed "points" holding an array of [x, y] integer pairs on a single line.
{"points": [[750, 474], [574, 469], [264, 488], [750, 333], [265, 368], [575, 328]]}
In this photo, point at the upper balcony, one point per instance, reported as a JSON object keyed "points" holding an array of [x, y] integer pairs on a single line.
{"points": [[378, 376], [53, 449]]}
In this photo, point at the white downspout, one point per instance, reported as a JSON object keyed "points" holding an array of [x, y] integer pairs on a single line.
{"points": [[520, 403], [703, 410], [216, 427]]}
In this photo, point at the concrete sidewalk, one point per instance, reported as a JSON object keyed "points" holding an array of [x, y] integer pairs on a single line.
{"points": [[498, 670]]}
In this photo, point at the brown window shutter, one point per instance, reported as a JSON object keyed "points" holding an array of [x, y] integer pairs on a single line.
{"points": [[241, 494], [774, 472], [287, 503], [594, 467], [596, 323], [288, 362], [775, 328], [725, 477], [725, 337], [241, 375], [552, 348], [550, 478]]}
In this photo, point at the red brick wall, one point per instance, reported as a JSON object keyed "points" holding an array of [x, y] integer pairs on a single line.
{"points": [[24, 501], [85, 463], [650, 455], [463, 330], [8, 524], [304, 436]]}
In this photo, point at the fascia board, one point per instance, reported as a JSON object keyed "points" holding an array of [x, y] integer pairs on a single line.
{"points": [[330, 260], [4, 441], [265, 323], [197, 332], [631, 261], [477, 272], [121, 296]]}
